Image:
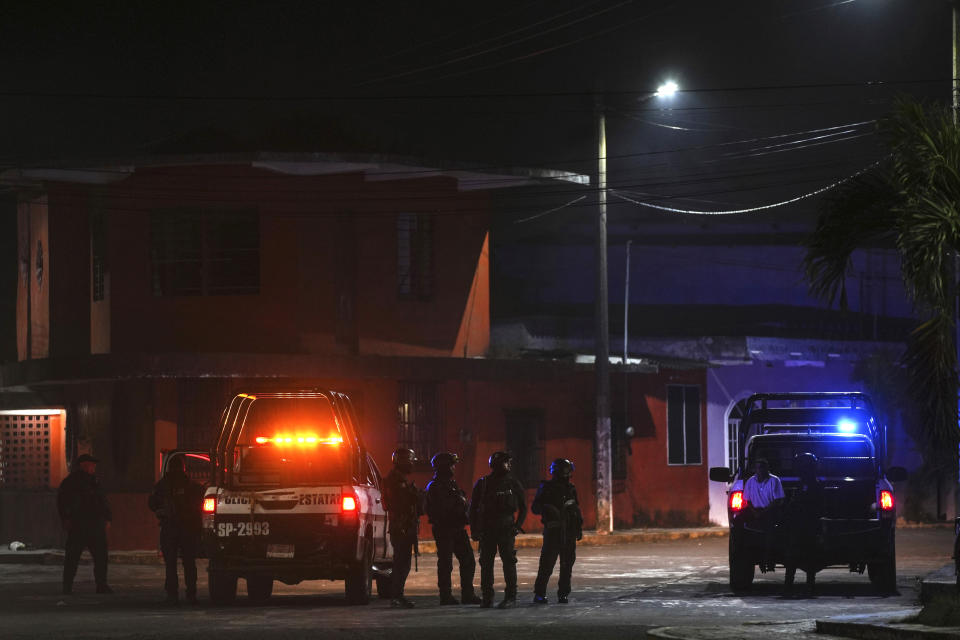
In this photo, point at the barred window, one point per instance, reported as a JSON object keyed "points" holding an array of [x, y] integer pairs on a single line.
{"points": [[195, 252], [418, 418], [683, 424], [415, 256], [25, 449]]}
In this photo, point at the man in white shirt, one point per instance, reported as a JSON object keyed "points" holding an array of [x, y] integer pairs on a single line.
{"points": [[763, 494]]}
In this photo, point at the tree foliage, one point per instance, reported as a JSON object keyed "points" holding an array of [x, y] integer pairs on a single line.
{"points": [[910, 200]]}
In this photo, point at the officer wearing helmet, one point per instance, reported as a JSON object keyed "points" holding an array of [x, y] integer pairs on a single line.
{"points": [[497, 512], [559, 509], [803, 523], [401, 499], [447, 511]]}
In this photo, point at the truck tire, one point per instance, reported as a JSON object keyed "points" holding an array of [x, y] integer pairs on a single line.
{"points": [[741, 567], [359, 582], [259, 588], [222, 587], [384, 587], [883, 574]]}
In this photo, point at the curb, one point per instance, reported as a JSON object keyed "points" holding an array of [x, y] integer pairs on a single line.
{"points": [[942, 582], [894, 631], [524, 541]]}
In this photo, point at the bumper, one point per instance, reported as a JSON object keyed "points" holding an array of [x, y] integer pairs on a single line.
{"points": [[837, 542]]}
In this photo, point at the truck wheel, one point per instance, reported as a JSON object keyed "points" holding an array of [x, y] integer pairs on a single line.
{"points": [[883, 575], [741, 567], [384, 586], [359, 582], [259, 588], [223, 587]]}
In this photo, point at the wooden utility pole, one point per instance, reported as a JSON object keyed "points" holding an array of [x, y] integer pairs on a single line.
{"points": [[602, 361]]}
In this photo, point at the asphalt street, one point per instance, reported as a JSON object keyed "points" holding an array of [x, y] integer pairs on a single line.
{"points": [[621, 589]]}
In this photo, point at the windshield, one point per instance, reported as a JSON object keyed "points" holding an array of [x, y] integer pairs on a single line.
{"points": [[291, 441], [837, 458]]}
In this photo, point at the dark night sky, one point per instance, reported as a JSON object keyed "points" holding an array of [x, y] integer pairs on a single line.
{"points": [[439, 80]]}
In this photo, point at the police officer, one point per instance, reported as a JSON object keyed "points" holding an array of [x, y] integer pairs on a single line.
{"points": [[557, 505], [177, 501], [497, 511], [447, 511], [803, 520], [401, 499], [86, 516]]}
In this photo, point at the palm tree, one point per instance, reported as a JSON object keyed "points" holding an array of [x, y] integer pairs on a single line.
{"points": [[909, 200]]}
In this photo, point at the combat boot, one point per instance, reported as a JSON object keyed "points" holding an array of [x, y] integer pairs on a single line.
{"points": [[507, 603], [469, 597], [447, 598]]}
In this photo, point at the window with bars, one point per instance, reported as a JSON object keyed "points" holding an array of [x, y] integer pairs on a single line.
{"points": [[98, 255], [195, 252], [733, 434], [418, 418], [683, 424], [25, 451], [415, 276]]}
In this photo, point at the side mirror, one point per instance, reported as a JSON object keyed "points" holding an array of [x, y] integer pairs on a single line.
{"points": [[896, 474], [720, 474]]}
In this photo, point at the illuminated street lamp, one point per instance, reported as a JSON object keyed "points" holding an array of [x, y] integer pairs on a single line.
{"points": [[604, 465]]}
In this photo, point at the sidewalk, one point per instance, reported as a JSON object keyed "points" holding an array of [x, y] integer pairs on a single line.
{"points": [[524, 541]]}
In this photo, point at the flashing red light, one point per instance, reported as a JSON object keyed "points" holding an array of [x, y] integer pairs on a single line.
{"points": [[349, 503], [209, 505], [886, 500], [736, 501], [299, 440]]}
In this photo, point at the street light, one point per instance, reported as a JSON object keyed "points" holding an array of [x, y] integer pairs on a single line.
{"points": [[602, 359]]}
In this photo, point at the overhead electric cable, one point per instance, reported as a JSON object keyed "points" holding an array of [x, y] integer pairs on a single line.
{"points": [[773, 205]]}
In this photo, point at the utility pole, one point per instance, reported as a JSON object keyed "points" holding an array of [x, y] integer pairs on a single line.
{"points": [[602, 362], [955, 91], [626, 304]]}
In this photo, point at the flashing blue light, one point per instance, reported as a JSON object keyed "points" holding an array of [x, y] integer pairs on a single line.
{"points": [[847, 426]]}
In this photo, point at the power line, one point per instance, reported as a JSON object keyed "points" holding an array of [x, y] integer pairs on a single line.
{"points": [[749, 209]]}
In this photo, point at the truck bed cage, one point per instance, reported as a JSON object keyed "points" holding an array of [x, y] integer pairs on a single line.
{"points": [[810, 412]]}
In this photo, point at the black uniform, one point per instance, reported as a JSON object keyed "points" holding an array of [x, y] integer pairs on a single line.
{"points": [[401, 499], [85, 512], [803, 526], [177, 502], [447, 511], [559, 509], [497, 512]]}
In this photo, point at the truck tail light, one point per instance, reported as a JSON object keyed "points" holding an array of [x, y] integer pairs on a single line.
{"points": [[348, 504], [736, 500], [886, 500], [209, 505]]}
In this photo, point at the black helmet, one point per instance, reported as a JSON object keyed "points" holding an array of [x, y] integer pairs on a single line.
{"points": [[805, 462], [499, 460], [561, 467], [444, 459], [404, 459]]}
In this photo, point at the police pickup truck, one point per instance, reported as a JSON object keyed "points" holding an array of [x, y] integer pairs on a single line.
{"points": [[858, 515], [293, 495]]}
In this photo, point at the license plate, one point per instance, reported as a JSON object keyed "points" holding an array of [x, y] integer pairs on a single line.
{"points": [[279, 550]]}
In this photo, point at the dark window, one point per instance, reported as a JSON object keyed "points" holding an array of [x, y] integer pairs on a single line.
{"points": [[205, 253], [683, 424], [524, 438], [98, 254], [418, 414], [415, 256]]}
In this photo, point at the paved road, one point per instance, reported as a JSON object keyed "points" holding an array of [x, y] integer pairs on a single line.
{"points": [[619, 590]]}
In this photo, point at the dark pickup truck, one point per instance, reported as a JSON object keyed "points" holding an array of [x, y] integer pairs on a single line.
{"points": [[857, 523]]}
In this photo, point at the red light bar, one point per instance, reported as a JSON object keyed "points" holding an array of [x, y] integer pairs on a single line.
{"points": [[209, 505], [299, 440], [736, 501], [886, 500]]}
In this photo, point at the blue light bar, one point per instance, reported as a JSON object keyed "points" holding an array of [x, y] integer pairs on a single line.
{"points": [[847, 426]]}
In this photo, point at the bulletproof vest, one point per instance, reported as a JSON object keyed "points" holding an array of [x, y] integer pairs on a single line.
{"points": [[447, 503], [402, 502], [500, 499]]}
